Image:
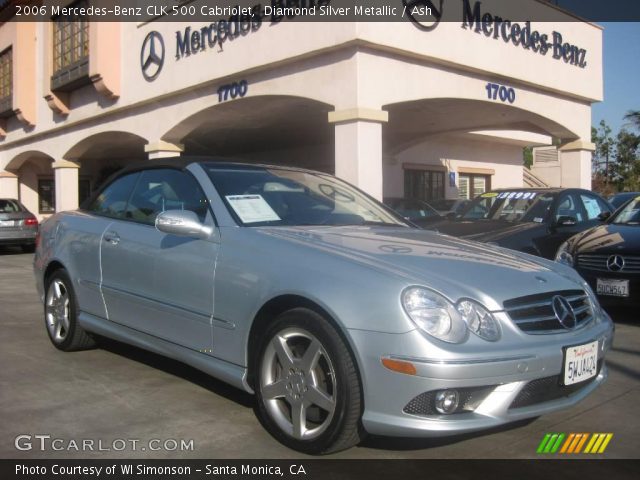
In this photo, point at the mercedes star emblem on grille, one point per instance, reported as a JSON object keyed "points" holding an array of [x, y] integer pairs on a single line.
{"points": [[564, 312], [615, 263]]}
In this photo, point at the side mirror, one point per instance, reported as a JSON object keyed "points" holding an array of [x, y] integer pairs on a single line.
{"points": [[604, 215], [183, 223], [566, 221], [450, 215]]}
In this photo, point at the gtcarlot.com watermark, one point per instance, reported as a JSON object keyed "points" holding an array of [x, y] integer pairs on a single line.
{"points": [[45, 442]]}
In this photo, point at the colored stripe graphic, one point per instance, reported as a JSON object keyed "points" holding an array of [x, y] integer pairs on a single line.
{"points": [[550, 443], [598, 443], [581, 443], [568, 442], [543, 443], [573, 443]]}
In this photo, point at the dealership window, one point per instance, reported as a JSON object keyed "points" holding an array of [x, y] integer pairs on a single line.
{"points": [[70, 49], [471, 185], [46, 195], [6, 83], [424, 184]]}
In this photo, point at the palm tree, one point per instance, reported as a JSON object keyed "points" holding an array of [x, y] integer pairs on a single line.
{"points": [[634, 117]]}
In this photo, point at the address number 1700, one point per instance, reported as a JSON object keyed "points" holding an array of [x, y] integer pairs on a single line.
{"points": [[496, 91]]}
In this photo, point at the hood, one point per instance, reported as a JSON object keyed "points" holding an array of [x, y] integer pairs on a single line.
{"points": [[452, 266], [609, 238]]}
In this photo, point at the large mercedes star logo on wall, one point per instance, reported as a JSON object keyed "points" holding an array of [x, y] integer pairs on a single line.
{"points": [[563, 311], [152, 55], [417, 11]]}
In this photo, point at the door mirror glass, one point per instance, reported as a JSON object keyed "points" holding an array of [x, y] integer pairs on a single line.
{"points": [[566, 221], [183, 223]]}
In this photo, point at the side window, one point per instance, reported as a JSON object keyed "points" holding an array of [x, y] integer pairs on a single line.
{"points": [[569, 206], [593, 206], [112, 202], [165, 189], [480, 209]]}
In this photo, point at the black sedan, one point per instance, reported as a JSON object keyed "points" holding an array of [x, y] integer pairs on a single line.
{"points": [[417, 211], [608, 256], [621, 198], [534, 221]]}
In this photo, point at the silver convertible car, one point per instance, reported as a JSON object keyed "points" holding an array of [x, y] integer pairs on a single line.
{"points": [[340, 317]]}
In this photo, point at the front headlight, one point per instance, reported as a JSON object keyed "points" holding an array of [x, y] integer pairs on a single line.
{"points": [[563, 255], [479, 320], [434, 314], [438, 317], [593, 299]]}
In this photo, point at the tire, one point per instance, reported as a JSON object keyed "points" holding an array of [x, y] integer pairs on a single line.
{"points": [[61, 315], [304, 371]]}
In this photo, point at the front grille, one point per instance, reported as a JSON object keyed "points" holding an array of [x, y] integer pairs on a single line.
{"points": [[598, 263], [548, 389], [534, 314], [470, 398]]}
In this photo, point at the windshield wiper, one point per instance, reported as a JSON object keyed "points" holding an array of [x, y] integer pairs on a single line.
{"points": [[380, 224]]}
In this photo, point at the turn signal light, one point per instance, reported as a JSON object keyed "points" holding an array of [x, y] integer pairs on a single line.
{"points": [[31, 221], [399, 366]]}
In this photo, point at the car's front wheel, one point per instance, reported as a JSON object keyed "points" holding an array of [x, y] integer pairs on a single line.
{"points": [[307, 385], [61, 315]]}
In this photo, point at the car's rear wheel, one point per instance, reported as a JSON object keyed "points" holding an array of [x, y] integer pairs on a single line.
{"points": [[307, 385], [61, 315]]}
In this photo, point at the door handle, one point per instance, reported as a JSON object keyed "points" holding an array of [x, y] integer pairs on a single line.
{"points": [[112, 237]]}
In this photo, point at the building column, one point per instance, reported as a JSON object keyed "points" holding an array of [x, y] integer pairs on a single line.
{"points": [[66, 183], [162, 149], [358, 147], [9, 185], [575, 164]]}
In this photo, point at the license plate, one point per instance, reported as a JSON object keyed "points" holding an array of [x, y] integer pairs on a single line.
{"points": [[614, 288], [580, 363], [7, 223]]}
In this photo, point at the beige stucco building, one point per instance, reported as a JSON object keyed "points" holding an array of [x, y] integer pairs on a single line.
{"points": [[395, 108]]}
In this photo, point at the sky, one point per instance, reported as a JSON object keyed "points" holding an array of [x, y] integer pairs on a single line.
{"points": [[621, 62]]}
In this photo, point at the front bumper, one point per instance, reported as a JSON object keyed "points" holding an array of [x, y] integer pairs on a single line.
{"points": [[505, 373], [613, 301]]}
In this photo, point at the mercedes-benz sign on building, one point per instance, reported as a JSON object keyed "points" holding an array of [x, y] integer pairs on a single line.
{"points": [[428, 109]]}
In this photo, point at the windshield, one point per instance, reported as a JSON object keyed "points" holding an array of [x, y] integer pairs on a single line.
{"points": [[515, 206], [412, 209], [629, 214], [271, 196]]}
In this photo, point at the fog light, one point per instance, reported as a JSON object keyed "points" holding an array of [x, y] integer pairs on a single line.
{"points": [[447, 401]]}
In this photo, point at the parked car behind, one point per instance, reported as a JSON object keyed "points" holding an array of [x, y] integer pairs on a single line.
{"points": [[18, 226], [619, 199], [417, 211], [608, 256], [340, 317], [534, 221], [449, 207]]}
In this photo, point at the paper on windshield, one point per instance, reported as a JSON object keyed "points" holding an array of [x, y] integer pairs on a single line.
{"points": [[591, 204], [252, 208]]}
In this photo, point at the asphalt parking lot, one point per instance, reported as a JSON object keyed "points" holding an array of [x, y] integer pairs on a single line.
{"points": [[118, 392]]}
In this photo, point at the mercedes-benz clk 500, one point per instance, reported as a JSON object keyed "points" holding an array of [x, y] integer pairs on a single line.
{"points": [[340, 317]]}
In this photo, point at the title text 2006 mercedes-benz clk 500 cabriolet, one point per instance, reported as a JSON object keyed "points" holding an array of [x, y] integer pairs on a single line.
{"points": [[337, 314]]}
